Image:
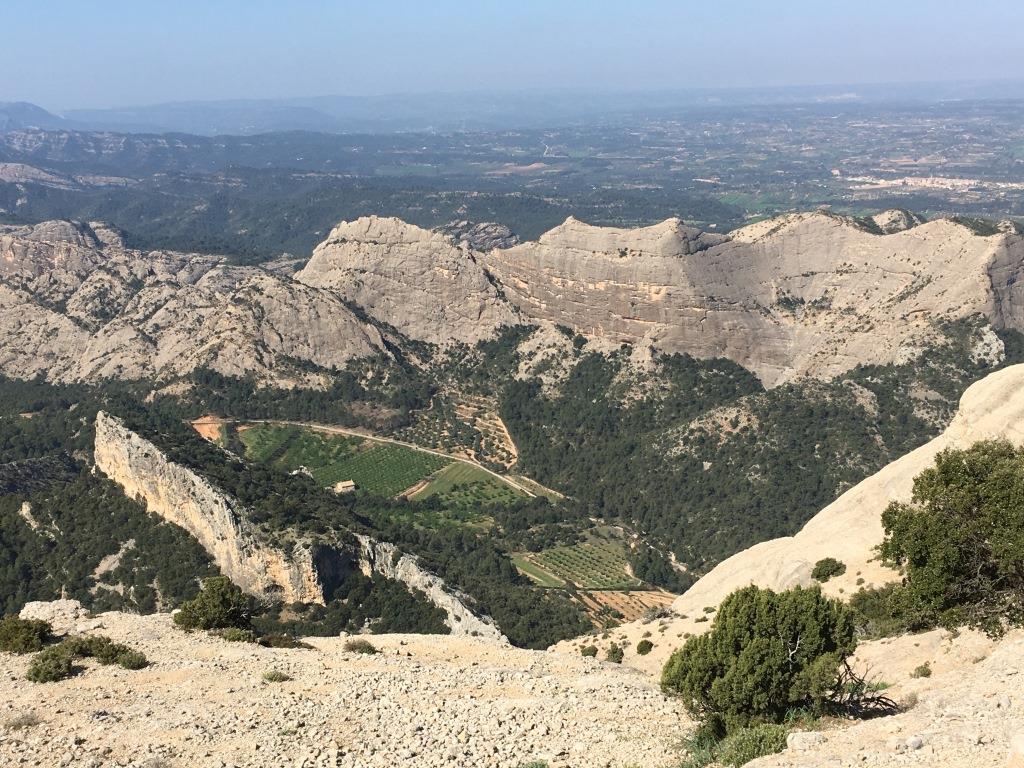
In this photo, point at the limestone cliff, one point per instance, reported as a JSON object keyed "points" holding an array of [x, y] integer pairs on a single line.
{"points": [[804, 294], [385, 559], [413, 279], [217, 521], [808, 294]]}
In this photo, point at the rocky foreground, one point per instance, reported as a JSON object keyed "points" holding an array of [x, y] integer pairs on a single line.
{"points": [[423, 701], [452, 701]]}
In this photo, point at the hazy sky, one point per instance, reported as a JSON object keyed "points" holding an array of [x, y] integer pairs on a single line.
{"points": [[74, 53]]}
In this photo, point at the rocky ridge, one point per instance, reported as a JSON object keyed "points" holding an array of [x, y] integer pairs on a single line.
{"points": [[214, 519], [804, 294], [76, 304]]}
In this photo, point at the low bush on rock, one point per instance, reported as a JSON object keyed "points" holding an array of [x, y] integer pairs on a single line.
{"points": [[924, 670], [644, 647], [614, 654], [278, 640], [826, 568], [275, 676], [104, 650], [57, 661], [589, 650], [746, 744], [236, 635], [766, 653], [23, 635], [220, 605], [358, 645], [50, 665]]}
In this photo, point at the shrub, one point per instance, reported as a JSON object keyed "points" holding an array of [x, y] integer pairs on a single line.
{"points": [[22, 635], [219, 605], [875, 612], [924, 670], [614, 654], [236, 635], [746, 744], [766, 653], [132, 659], [960, 542], [282, 641], [104, 650], [589, 650], [826, 568], [644, 647], [22, 721], [50, 665], [358, 645], [275, 676]]}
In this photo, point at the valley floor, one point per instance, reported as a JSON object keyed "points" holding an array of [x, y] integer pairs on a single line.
{"points": [[423, 701]]}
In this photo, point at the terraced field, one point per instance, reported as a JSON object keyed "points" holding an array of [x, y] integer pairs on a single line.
{"points": [[592, 565]]}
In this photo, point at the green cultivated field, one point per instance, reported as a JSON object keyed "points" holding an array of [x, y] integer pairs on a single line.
{"points": [[593, 565], [379, 468], [465, 486]]}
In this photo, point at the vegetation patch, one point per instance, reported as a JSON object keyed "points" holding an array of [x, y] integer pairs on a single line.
{"points": [[960, 542], [360, 645], [19, 635], [220, 605], [826, 568]]}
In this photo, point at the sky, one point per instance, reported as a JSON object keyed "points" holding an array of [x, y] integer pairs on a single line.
{"points": [[66, 54]]}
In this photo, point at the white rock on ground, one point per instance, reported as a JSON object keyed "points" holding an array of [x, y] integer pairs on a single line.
{"points": [[423, 701]]}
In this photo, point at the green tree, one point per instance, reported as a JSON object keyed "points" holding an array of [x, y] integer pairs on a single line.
{"points": [[766, 654], [220, 605], [960, 542]]}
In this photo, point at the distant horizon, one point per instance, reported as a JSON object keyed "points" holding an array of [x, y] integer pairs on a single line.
{"points": [[121, 54], [524, 92]]}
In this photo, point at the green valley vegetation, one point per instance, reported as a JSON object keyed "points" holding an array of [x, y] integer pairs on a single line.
{"points": [[715, 462]]}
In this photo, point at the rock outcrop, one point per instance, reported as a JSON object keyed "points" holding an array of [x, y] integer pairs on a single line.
{"points": [[804, 294], [75, 304], [808, 294], [217, 521], [384, 558], [413, 279]]}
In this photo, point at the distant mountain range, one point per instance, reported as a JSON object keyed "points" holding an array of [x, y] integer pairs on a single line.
{"points": [[466, 111]]}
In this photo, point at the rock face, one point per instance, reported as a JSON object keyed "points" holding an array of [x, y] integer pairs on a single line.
{"points": [[75, 304], [217, 521], [413, 279], [805, 294], [385, 559]]}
